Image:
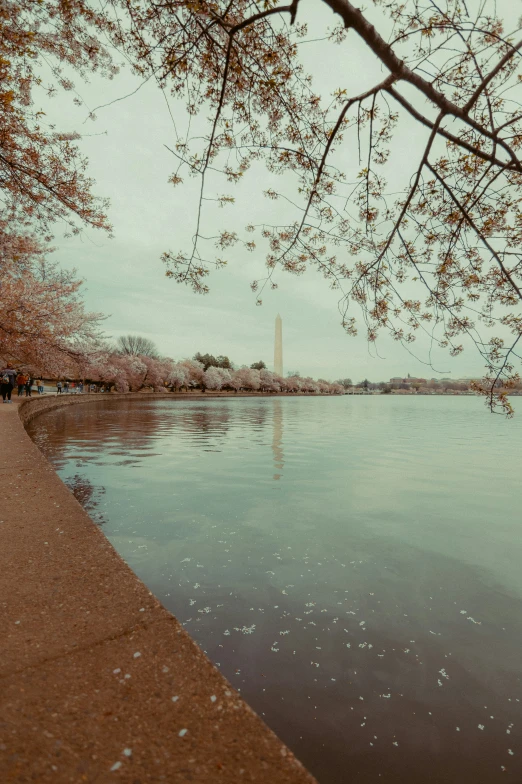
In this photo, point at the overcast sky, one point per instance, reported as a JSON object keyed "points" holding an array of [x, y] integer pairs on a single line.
{"points": [[125, 277]]}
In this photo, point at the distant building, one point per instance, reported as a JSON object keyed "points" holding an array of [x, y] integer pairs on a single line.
{"points": [[409, 380]]}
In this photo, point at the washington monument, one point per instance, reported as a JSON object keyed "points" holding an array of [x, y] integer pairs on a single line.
{"points": [[278, 346]]}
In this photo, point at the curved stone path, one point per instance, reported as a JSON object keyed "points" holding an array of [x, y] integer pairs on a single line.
{"points": [[98, 682]]}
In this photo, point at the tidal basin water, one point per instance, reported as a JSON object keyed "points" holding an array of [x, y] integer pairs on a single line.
{"points": [[353, 565]]}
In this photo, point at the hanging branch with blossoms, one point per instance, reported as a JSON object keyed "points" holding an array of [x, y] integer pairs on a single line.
{"points": [[43, 176], [44, 181], [441, 257]]}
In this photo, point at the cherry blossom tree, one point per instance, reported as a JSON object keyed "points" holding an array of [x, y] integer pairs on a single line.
{"points": [[44, 180], [101, 368], [127, 372], [226, 375], [309, 385], [121, 383], [293, 384], [216, 378], [236, 382], [245, 378], [157, 372], [43, 322], [269, 382], [324, 387], [212, 379], [178, 377], [135, 370], [43, 176], [19, 249], [141, 371], [195, 372]]}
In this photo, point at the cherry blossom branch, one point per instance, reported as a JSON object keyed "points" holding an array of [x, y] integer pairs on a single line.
{"points": [[476, 229], [353, 17]]}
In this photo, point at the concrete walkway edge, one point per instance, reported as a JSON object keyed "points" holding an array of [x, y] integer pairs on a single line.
{"points": [[98, 681]]}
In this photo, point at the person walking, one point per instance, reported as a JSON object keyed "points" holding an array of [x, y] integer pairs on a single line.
{"points": [[20, 382], [40, 385], [59, 388], [28, 386], [65, 386], [7, 382]]}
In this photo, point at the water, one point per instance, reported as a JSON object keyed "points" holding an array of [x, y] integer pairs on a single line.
{"points": [[351, 564]]}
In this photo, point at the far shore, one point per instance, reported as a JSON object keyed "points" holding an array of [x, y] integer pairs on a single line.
{"points": [[50, 390]]}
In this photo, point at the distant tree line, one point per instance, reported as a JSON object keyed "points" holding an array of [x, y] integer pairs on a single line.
{"points": [[134, 363], [423, 386]]}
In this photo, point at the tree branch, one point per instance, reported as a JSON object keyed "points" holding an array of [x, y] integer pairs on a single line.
{"points": [[482, 86], [353, 17]]}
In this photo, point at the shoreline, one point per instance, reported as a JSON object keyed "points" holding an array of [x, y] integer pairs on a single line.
{"points": [[99, 681], [53, 400]]}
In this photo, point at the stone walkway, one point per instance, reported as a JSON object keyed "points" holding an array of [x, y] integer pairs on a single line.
{"points": [[98, 682]]}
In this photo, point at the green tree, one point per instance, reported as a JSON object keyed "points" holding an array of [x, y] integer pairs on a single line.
{"points": [[209, 360], [224, 362], [258, 365]]}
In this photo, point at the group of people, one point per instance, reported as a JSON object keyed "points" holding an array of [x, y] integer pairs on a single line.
{"points": [[9, 378], [25, 383], [65, 386]]}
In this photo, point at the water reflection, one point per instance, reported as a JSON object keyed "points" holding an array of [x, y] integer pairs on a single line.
{"points": [[209, 423], [369, 605], [88, 496], [277, 439]]}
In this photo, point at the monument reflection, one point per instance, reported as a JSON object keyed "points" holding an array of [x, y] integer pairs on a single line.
{"points": [[277, 439]]}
